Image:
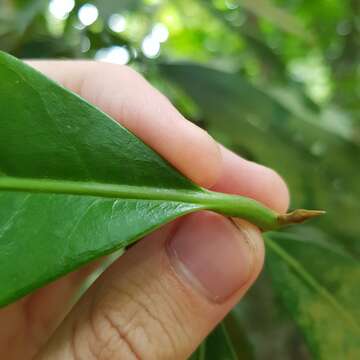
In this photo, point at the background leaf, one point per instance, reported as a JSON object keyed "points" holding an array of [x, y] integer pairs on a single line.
{"points": [[318, 285], [218, 345]]}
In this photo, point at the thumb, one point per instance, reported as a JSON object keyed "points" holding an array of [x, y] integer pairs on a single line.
{"points": [[162, 297]]}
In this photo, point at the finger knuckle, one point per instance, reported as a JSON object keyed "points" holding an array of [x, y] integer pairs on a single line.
{"points": [[123, 72], [111, 340]]}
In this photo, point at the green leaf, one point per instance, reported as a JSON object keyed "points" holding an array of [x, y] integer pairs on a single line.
{"points": [[319, 285], [259, 314], [75, 184], [216, 346]]}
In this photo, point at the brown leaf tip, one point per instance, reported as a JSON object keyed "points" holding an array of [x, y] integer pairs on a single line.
{"points": [[298, 216]]}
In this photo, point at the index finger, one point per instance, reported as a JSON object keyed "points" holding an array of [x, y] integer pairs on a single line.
{"points": [[131, 100]]}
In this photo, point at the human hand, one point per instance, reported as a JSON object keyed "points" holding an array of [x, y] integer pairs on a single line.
{"points": [[160, 299]]}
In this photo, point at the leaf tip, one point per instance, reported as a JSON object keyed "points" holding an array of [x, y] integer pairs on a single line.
{"points": [[298, 216]]}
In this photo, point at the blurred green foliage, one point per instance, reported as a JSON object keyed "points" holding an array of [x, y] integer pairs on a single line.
{"points": [[276, 81]]}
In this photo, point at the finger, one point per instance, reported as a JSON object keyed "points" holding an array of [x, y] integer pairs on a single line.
{"points": [[130, 99], [165, 295], [243, 177], [123, 94], [27, 324]]}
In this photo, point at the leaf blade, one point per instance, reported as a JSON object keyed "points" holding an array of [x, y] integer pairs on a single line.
{"points": [[49, 135], [67, 150], [61, 158], [70, 231]]}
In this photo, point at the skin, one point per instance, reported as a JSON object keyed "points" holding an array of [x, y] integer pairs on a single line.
{"points": [[163, 317]]}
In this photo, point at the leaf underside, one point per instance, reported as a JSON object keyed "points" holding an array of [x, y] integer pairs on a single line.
{"points": [[48, 133]]}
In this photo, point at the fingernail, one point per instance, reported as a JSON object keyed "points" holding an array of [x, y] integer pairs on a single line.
{"points": [[212, 255]]}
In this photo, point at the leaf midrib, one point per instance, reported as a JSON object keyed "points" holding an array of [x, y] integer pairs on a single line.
{"points": [[227, 204], [107, 190]]}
